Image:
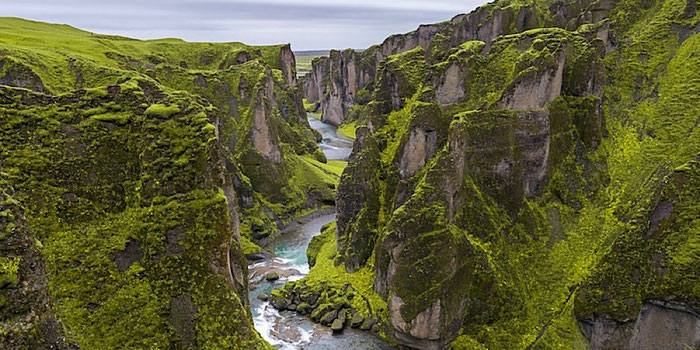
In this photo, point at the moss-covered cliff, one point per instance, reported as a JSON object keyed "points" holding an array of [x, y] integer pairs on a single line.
{"points": [[523, 177], [146, 170]]}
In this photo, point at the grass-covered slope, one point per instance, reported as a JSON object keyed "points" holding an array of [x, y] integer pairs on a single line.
{"points": [[536, 190], [58, 53], [231, 76], [147, 169]]}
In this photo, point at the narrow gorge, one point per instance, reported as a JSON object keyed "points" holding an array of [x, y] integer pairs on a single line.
{"points": [[522, 176]]}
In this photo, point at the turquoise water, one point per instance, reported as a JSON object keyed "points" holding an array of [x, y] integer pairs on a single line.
{"points": [[286, 255], [286, 329]]}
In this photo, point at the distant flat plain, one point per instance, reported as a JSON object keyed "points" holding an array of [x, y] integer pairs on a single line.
{"points": [[304, 59]]}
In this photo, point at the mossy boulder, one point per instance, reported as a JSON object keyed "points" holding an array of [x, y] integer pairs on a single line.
{"points": [[329, 317], [321, 311], [357, 320], [339, 323], [272, 276]]}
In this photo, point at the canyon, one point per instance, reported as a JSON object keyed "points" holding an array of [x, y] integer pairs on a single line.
{"points": [[523, 176]]}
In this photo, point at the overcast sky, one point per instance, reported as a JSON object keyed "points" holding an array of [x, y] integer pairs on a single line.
{"points": [[307, 24]]}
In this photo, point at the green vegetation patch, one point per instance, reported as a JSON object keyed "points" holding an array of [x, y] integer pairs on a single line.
{"points": [[161, 111]]}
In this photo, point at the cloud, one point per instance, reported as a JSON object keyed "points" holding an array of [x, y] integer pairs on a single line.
{"points": [[307, 24]]}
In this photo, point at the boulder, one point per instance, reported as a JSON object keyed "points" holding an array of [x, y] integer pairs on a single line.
{"points": [[367, 324], [272, 276], [329, 317], [338, 324], [357, 320], [310, 298], [263, 297], [279, 302], [320, 311], [304, 308]]}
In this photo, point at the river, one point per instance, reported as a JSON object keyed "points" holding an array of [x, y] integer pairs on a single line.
{"points": [[286, 254]]}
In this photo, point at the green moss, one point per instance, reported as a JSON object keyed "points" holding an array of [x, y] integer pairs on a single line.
{"points": [[400, 75], [466, 342], [559, 254], [318, 241], [162, 111], [249, 247], [309, 107], [348, 129], [9, 268], [113, 118], [649, 261]]}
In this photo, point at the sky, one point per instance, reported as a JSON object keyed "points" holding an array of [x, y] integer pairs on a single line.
{"points": [[306, 24]]}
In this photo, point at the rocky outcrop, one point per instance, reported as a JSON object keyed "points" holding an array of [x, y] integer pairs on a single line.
{"points": [[19, 75], [458, 179], [659, 325], [418, 250], [451, 87], [27, 317], [398, 79], [507, 150], [312, 83], [288, 65], [533, 89], [146, 199], [332, 84], [264, 138], [421, 146], [357, 202]]}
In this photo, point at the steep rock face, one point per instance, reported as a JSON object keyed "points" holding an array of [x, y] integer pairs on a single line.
{"points": [[535, 89], [398, 79], [514, 180], [330, 84], [287, 64], [264, 140], [507, 151], [98, 227], [356, 202], [419, 149], [451, 88], [420, 248], [334, 82], [505, 156], [27, 319], [312, 84], [659, 325]]}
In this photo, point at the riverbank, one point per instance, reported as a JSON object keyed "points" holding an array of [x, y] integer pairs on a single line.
{"points": [[285, 259]]}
